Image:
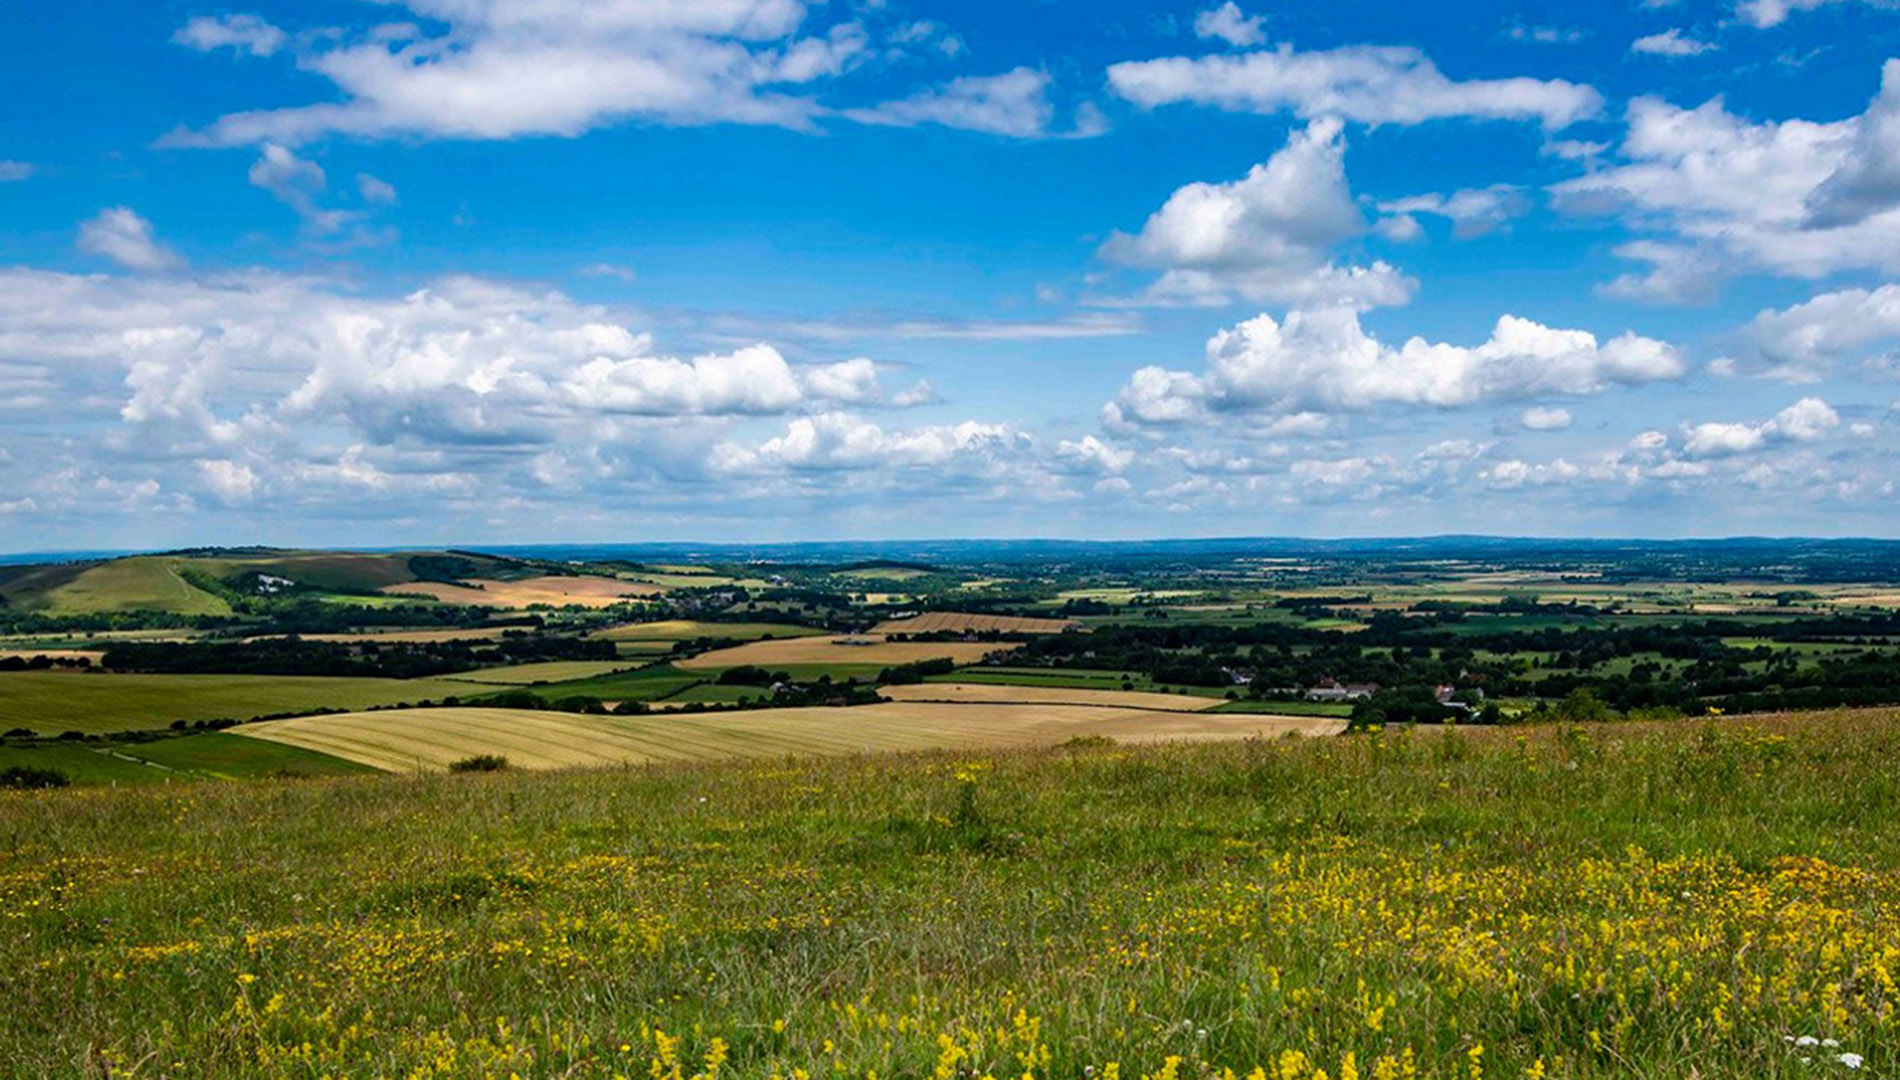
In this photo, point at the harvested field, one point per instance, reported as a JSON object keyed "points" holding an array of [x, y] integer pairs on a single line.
{"points": [[937, 622], [554, 591], [867, 649], [995, 694], [430, 739], [672, 630], [551, 671], [94, 655]]}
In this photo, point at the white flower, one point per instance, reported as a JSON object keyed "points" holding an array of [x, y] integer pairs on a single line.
{"points": [[1852, 1061], [1831, 1044], [1807, 1040]]}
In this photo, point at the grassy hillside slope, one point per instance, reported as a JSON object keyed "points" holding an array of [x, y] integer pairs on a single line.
{"points": [[141, 583], [1613, 902]]}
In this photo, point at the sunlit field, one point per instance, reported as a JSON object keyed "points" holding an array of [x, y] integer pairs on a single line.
{"points": [[1708, 898]]}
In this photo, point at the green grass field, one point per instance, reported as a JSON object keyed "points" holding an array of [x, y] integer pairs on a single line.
{"points": [[552, 671], [1286, 708], [1072, 679], [146, 583], [55, 702], [1626, 901], [643, 684], [198, 756]]}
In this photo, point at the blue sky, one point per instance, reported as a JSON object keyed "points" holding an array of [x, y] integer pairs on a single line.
{"points": [[408, 271]]}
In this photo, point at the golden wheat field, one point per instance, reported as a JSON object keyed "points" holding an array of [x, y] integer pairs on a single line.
{"points": [[555, 591], [956, 622], [863, 649], [94, 655], [995, 694], [401, 740]]}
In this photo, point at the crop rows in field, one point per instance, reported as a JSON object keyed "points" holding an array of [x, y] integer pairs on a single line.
{"points": [[938, 622], [864, 650], [554, 591], [410, 739]]}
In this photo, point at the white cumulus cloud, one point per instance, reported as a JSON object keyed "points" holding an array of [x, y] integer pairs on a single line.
{"points": [[1363, 83], [1807, 420], [1266, 236], [1711, 192], [1323, 362]]}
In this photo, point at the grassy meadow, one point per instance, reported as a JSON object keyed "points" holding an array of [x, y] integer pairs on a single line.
{"points": [[205, 755], [52, 702], [1703, 899]]}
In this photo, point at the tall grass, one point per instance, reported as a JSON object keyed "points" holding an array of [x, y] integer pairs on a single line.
{"points": [[1666, 901]]}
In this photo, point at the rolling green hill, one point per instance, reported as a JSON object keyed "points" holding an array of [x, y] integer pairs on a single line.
{"points": [[189, 583]]}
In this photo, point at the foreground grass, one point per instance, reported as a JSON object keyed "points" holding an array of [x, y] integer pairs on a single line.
{"points": [[1621, 901]]}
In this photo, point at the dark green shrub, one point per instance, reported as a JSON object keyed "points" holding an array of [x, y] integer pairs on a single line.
{"points": [[27, 777]]}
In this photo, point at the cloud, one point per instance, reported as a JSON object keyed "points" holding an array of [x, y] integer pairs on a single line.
{"points": [[1015, 104], [1228, 23], [1267, 236], [1077, 327], [373, 190], [501, 69], [1763, 14], [120, 234], [298, 184], [1807, 420], [1867, 181], [1367, 84], [15, 171], [1473, 211], [1324, 362], [244, 33], [1545, 35], [608, 270], [229, 480], [1545, 419], [1677, 274], [279, 368], [849, 381], [1670, 43], [1722, 194], [1090, 454], [1806, 340], [841, 441]]}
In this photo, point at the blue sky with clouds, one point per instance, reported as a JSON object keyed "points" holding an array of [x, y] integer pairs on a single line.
{"points": [[405, 271]]}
